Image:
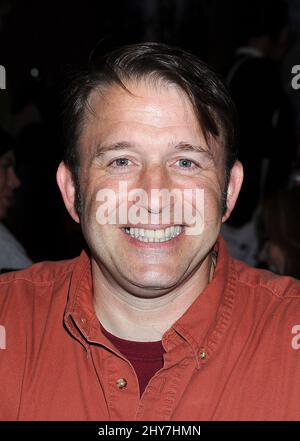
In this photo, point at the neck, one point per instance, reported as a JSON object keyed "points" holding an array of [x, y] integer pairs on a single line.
{"points": [[145, 319]]}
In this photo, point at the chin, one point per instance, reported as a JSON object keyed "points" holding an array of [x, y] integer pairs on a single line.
{"points": [[155, 283]]}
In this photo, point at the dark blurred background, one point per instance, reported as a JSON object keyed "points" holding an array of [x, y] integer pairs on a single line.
{"points": [[41, 41]]}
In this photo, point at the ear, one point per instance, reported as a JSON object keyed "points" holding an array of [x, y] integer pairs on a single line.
{"points": [[66, 185], [234, 186]]}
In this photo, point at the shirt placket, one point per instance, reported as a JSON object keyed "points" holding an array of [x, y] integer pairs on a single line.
{"points": [[119, 382], [167, 386], [163, 392]]}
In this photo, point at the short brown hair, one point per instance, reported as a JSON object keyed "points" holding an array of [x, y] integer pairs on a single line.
{"points": [[211, 101]]}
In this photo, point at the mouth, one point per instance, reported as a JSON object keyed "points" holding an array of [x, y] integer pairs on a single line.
{"points": [[148, 235]]}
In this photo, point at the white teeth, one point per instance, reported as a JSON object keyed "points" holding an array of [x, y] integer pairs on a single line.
{"points": [[150, 234], [159, 234], [147, 235]]}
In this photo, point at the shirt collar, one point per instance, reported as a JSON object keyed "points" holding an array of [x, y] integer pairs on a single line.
{"points": [[205, 322], [202, 326], [80, 317]]}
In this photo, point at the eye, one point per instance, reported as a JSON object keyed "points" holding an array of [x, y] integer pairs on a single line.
{"points": [[120, 162], [185, 163]]}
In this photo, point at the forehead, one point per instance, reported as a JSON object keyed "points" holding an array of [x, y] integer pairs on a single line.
{"points": [[150, 116], [144, 105]]}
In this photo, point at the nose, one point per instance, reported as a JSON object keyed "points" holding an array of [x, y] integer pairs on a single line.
{"points": [[156, 184]]}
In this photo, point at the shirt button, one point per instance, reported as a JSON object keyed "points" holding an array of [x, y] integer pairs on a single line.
{"points": [[202, 354], [121, 383]]}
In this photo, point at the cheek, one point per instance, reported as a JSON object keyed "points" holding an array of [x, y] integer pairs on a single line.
{"points": [[212, 206], [99, 217], [205, 221], [89, 211]]}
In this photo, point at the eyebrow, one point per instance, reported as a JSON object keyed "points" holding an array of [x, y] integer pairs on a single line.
{"points": [[185, 146], [101, 149]]}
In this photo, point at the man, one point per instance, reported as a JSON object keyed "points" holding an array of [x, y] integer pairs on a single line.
{"points": [[155, 321], [12, 254]]}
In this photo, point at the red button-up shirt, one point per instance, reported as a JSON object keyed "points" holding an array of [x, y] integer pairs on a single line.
{"points": [[145, 357], [233, 355]]}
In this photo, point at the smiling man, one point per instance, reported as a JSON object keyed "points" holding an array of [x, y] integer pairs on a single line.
{"points": [[155, 321]]}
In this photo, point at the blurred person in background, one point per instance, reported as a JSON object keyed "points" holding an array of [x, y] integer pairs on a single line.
{"points": [[266, 119], [12, 254], [291, 60], [280, 220]]}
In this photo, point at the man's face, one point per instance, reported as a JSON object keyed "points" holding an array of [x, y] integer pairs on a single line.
{"points": [[148, 139]]}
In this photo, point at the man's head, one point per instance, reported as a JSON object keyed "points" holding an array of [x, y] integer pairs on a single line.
{"points": [[264, 24], [160, 64], [151, 117]]}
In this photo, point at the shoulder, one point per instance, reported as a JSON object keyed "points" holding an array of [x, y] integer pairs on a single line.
{"points": [[39, 280], [29, 297], [32, 304], [42, 273], [266, 283]]}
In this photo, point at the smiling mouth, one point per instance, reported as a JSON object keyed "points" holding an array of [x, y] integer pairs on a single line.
{"points": [[154, 236]]}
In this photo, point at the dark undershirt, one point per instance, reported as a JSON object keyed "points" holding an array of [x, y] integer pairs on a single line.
{"points": [[145, 357]]}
